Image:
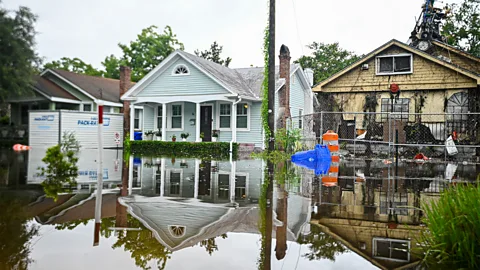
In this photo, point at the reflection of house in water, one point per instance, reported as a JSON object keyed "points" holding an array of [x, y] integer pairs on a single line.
{"points": [[186, 201], [375, 215]]}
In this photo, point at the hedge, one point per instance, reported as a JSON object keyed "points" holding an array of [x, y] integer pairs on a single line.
{"points": [[205, 150]]}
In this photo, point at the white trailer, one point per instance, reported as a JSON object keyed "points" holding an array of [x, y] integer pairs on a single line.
{"points": [[47, 127]]}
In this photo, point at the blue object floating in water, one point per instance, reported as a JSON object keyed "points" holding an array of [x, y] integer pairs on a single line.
{"points": [[137, 135], [137, 161], [318, 160]]}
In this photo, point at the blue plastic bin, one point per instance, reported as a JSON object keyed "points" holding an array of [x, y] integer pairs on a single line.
{"points": [[137, 135]]}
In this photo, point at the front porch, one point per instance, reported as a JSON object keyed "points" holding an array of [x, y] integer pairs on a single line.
{"points": [[203, 118]]}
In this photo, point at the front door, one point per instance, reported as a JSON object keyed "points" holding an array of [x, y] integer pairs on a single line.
{"points": [[206, 122]]}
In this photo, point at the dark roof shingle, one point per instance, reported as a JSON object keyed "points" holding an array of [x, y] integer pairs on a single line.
{"points": [[51, 89]]}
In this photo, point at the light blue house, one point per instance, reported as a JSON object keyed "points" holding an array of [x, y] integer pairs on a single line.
{"points": [[188, 94]]}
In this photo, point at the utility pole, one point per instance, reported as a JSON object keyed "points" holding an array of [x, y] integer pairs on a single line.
{"points": [[271, 75]]}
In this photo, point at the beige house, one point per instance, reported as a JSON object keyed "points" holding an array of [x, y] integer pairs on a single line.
{"points": [[439, 80]]}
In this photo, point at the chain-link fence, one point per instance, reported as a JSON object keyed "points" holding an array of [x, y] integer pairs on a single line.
{"points": [[395, 134]]}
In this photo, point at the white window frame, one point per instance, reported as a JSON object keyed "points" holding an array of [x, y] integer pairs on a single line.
{"points": [[91, 107], [300, 118], [374, 248], [140, 119], [183, 74], [377, 64], [168, 179], [170, 114], [218, 116], [248, 116], [155, 111]]}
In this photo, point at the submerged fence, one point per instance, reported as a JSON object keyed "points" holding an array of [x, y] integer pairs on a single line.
{"points": [[386, 134]]}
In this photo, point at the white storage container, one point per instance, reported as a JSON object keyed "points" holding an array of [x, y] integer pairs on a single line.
{"points": [[47, 127]]}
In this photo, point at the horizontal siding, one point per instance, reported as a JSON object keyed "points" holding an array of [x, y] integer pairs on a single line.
{"points": [[148, 118], [196, 83], [426, 75], [255, 133], [297, 99]]}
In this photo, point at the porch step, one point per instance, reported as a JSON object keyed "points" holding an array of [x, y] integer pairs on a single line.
{"points": [[246, 147]]}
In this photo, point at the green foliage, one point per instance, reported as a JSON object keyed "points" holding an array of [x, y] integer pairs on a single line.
{"points": [[75, 65], [210, 244], [18, 58], [321, 245], [288, 140], [452, 238], [15, 232], [285, 173], [145, 53], [275, 156], [206, 150], [185, 135], [214, 54], [112, 67], [462, 28], [327, 59], [61, 166], [4, 120], [265, 114]]}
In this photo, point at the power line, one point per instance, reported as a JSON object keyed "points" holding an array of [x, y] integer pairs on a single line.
{"points": [[296, 25]]}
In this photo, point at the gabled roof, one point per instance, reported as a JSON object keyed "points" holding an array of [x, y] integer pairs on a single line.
{"points": [[51, 90], [245, 82], [461, 52], [406, 47], [97, 87]]}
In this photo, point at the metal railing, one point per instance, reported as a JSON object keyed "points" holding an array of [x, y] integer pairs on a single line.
{"points": [[383, 134]]}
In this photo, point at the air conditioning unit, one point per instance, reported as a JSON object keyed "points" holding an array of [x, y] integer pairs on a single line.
{"points": [[365, 67]]}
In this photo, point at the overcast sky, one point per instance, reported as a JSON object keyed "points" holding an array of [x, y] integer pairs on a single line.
{"points": [[91, 29]]}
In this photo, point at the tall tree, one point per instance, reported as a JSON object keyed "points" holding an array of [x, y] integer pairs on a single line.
{"points": [[462, 28], [18, 59], [74, 65], [214, 54], [143, 54], [326, 60]]}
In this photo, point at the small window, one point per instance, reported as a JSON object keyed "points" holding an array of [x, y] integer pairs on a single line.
{"points": [[159, 117], [225, 115], [137, 123], [242, 115], [175, 178], [177, 116], [400, 106], [300, 118], [180, 70], [397, 64], [391, 249], [88, 107]]}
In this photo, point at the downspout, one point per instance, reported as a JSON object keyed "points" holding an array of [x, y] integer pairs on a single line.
{"points": [[234, 128]]}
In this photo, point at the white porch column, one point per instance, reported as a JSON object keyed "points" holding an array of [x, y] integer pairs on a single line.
{"points": [[233, 169], [197, 178], [197, 124], [234, 122], [162, 176], [164, 124], [132, 122], [130, 175]]}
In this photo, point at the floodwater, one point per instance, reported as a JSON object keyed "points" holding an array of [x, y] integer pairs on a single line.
{"points": [[173, 213]]}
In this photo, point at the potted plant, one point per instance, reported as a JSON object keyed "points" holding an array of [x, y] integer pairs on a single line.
{"points": [[184, 136], [214, 135], [149, 135], [158, 135], [174, 138], [202, 135]]}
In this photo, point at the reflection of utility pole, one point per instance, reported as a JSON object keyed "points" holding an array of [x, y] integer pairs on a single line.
{"points": [[281, 235], [269, 218]]}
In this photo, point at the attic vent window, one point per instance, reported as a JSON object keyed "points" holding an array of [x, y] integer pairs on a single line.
{"points": [[395, 64], [177, 231], [181, 70]]}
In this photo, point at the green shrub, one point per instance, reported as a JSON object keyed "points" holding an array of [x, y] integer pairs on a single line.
{"points": [[288, 140], [207, 150], [452, 240], [4, 120], [61, 166]]}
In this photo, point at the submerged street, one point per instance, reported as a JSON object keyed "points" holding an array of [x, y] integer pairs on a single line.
{"points": [[176, 213]]}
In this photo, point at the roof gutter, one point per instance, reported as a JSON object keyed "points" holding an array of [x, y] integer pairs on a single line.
{"points": [[234, 128]]}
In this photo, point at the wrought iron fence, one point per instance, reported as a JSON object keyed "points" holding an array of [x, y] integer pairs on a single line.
{"points": [[380, 134]]}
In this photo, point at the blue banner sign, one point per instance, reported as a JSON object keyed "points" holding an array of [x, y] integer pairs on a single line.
{"points": [[44, 118], [93, 122], [92, 174]]}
